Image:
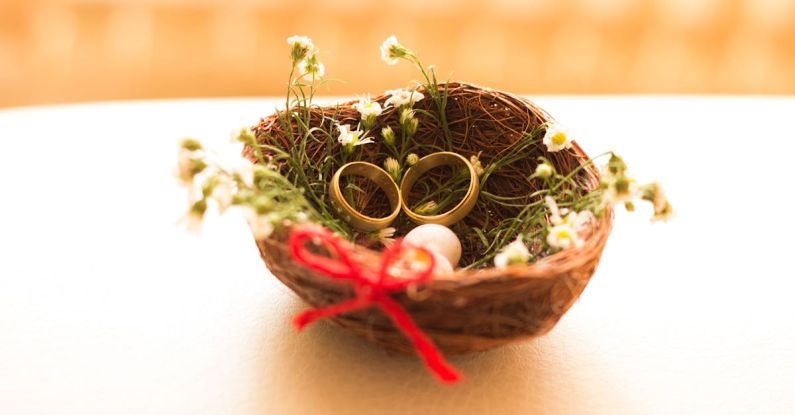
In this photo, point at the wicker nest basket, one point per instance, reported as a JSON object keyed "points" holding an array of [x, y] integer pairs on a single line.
{"points": [[475, 309]]}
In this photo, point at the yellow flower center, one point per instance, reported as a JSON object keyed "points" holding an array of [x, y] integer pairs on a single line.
{"points": [[559, 138], [564, 234]]}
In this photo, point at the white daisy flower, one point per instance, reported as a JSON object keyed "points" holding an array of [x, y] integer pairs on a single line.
{"points": [[386, 235], [300, 47], [401, 97], [392, 50], [311, 69], [351, 138], [369, 111], [368, 108], [563, 236], [514, 253], [577, 220], [566, 225], [345, 137], [621, 189], [556, 138]]}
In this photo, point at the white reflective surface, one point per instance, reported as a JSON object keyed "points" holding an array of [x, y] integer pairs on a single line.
{"points": [[107, 307]]}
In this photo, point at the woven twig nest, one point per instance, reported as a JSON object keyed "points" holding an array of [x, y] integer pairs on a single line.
{"points": [[474, 309]]}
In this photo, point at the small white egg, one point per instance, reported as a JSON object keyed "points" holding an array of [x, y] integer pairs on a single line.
{"points": [[441, 265], [437, 238]]}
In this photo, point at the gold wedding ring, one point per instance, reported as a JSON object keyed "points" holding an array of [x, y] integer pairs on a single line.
{"points": [[429, 162], [374, 173]]}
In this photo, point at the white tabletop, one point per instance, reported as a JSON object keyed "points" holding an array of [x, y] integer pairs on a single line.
{"points": [[107, 307]]}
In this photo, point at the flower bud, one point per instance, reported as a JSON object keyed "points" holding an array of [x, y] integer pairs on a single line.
{"points": [[621, 186], [199, 208], [544, 170], [245, 136], [392, 167], [300, 46], [209, 185], [388, 135], [368, 121], [406, 115], [476, 165], [196, 166], [411, 127], [412, 159], [190, 144], [616, 165]]}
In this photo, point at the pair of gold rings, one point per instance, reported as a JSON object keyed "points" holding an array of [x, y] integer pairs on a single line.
{"points": [[395, 194]]}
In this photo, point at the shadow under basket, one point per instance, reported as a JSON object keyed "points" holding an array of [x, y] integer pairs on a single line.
{"points": [[475, 309]]}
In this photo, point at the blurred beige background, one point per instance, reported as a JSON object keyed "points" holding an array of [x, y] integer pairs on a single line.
{"points": [[78, 50]]}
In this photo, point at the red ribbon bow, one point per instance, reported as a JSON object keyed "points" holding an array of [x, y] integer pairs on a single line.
{"points": [[371, 289]]}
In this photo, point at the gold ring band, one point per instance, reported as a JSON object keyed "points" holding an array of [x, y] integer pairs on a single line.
{"points": [[374, 173], [429, 162]]}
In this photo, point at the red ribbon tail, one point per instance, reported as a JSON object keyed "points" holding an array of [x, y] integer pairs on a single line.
{"points": [[445, 372], [310, 316]]}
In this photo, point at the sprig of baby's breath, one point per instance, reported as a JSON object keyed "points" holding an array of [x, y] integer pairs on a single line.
{"points": [[567, 209], [392, 51], [268, 200], [308, 174]]}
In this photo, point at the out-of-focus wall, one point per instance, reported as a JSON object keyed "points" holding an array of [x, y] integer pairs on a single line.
{"points": [[76, 50]]}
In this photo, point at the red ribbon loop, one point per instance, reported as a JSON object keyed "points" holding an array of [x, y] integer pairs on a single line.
{"points": [[371, 288]]}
